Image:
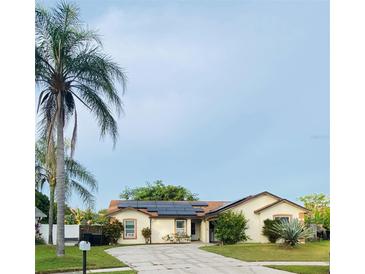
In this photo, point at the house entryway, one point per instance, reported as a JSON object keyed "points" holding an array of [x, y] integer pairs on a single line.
{"points": [[195, 230], [212, 237]]}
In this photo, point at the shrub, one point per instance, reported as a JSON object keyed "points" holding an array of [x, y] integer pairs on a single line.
{"points": [[291, 232], [177, 238], [231, 227], [38, 235], [113, 230], [268, 232], [146, 232]]}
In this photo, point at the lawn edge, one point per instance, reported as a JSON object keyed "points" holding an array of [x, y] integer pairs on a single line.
{"points": [[77, 269]]}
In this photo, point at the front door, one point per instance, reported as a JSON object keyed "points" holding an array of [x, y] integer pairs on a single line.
{"points": [[195, 229], [212, 238]]}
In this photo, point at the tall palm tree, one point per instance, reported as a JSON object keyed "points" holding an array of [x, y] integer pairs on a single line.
{"points": [[77, 179], [70, 67]]}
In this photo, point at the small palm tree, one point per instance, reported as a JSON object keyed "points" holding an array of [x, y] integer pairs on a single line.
{"points": [[291, 231], [71, 69], [77, 179]]}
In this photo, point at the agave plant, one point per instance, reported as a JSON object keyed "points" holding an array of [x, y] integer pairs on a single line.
{"points": [[291, 231]]}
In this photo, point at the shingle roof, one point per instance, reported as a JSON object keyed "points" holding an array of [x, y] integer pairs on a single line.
{"points": [[115, 205], [211, 208], [237, 202]]}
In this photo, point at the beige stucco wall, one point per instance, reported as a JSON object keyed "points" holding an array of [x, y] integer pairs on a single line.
{"points": [[142, 219], [160, 228], [282, 209], [254, 221], [188, 228], [164, 226], [204, 231]]}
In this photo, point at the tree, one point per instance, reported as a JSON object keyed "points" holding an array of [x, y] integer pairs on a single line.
{"points": [[42, 203], [230, 227], [157, 191], [319, 206], [78, 216], [77, 179], [71, 68]]}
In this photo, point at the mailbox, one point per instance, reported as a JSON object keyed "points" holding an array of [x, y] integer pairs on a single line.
{"points": [[84, 246]]}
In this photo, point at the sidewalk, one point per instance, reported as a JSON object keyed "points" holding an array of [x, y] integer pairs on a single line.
{"points": [[99, 270], [289, 263]]}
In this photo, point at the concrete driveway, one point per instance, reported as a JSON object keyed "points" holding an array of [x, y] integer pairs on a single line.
{"points": [[183, 258]]}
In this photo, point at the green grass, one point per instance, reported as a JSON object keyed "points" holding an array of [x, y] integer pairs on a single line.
{"points": [[313, 251], [302, 269], [46, 260]]}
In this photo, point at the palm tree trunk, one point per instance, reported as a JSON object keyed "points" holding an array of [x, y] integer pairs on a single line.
{"points": [[50, 214], [60, 179]]}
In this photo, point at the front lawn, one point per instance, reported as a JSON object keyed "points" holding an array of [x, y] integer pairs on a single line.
{"points": [[313, 251], [46, 260], [302, 269]]}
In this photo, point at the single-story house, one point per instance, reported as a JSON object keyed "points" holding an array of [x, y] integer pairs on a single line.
{"points": [[196, 218]]}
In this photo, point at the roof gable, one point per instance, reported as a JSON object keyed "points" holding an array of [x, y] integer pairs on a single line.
{"points": [[241, 201], [280, 202], [130, 208]]}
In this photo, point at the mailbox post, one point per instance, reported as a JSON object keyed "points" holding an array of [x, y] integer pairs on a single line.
{"points": [[84, 246]]}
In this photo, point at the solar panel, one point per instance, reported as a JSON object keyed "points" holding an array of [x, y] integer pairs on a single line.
{"points": [[145, 204], [152, 209], [163, 203], [128, 204], [185, 213], [166, 213], [198, 203], [167, 208]]}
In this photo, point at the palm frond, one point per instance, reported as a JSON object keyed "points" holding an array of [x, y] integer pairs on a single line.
{"points": [[78, 172], [106, 121], [86, 196]]}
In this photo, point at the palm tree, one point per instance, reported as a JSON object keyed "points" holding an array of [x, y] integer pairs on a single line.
{"points": [[77, 179], [71, 67]]}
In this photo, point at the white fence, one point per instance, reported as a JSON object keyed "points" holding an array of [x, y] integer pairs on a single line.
{"points": [[71, 232]]}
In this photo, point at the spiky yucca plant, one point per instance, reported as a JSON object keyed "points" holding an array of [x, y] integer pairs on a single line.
{"points": [[291, 231]]}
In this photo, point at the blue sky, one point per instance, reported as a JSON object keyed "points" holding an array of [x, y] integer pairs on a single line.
{"points": [[227, 98]]}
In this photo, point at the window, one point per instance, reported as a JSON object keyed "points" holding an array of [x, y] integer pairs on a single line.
{"points": [[282, 218], [180, 226], [130, 229]]}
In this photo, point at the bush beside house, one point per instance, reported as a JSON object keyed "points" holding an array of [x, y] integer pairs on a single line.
{"points": [[113, 230], [230, 227], [146, 232], [273, 236]]}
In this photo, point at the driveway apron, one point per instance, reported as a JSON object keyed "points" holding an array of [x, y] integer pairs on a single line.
{"points": [[183, 258]]}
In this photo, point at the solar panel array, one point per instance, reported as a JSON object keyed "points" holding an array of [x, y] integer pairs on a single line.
{"points": [[164, 208]]}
